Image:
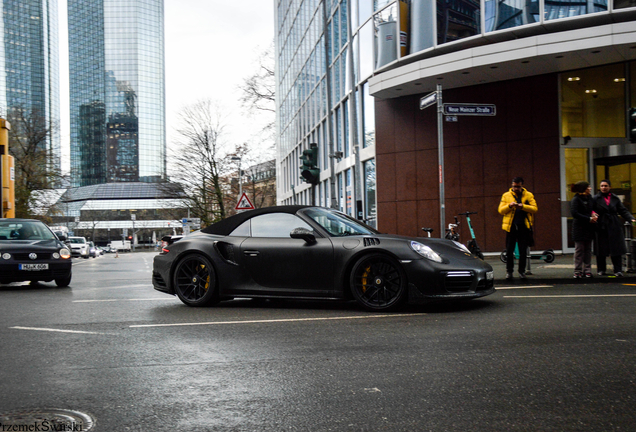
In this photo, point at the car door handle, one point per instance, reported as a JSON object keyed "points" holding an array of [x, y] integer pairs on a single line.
{"points": [[251, 253]]}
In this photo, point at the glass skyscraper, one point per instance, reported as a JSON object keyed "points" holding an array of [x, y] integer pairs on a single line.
{"points": [[29, 64], [116, 68]]}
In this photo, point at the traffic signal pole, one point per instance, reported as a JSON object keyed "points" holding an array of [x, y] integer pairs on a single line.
{"points": [[7, 198]]}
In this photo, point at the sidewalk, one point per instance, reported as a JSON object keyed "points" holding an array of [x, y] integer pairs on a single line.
{"points": [[558, 272]]}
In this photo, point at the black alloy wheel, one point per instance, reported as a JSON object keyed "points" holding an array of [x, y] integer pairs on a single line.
{"points": [[378, 283], [195, 281]]}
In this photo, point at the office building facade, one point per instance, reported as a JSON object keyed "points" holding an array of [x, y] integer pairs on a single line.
{"points": [[561, 76], [117, 91], [29, 66], [322, 93]]}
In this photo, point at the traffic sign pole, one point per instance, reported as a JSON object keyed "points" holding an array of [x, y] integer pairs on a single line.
{"points": [[440, 146]]}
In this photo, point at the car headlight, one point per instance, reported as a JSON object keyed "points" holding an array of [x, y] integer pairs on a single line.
{"points": [[6, 256], [426, 251], [461, 246], [65, 253]]}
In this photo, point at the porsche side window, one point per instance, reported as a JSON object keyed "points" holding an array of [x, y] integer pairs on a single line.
{"points": [[243, 230], [338, 224], [277, 225]]}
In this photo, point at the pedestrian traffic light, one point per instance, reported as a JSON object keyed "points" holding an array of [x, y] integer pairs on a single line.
{"points": [[309, 169], [632, 125]]}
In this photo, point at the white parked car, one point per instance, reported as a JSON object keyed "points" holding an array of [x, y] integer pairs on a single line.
{"points": [[79, 247]]}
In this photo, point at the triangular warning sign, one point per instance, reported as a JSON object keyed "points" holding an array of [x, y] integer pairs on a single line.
{"points": [[244, 203]]}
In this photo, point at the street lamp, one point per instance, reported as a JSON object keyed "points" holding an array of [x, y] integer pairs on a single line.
{"points": [[236, 158]]}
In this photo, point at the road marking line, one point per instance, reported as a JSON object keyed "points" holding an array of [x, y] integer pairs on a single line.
{"points": [[522, 287], [277, 320], [116, 300], [575, 295], [55, 330]]}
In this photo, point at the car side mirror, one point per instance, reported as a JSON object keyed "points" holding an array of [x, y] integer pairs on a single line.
{"points": [[304, 234], [62, 238]]}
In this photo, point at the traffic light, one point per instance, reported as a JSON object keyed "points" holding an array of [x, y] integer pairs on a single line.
{"points": [[309, 168], [632, 125]]}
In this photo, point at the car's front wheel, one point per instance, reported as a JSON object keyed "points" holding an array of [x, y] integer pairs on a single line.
{"points": [[195, 281], [378, 283], [64, 281]]}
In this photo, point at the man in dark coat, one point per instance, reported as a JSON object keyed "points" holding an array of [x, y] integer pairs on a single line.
{"points": [[610, 237]]}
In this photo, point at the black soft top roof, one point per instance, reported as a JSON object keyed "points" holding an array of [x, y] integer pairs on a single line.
{"points": [[226, 226]]}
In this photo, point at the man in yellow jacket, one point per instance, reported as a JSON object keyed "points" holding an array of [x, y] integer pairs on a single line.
{"points": [[518, 207]]}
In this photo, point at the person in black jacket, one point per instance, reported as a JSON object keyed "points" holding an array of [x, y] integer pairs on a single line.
{"points": [[583, 228], [610, 237]]}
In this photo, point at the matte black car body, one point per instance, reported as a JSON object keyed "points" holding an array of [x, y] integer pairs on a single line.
{"points": [[237, 257], [30, 251]]}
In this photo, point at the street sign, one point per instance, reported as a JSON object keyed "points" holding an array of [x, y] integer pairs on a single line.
{"points": [[244, 203], [455, 109], [451, 118], [428, 100]]}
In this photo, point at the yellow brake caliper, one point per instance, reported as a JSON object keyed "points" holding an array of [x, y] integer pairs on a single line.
{"points": [[207, 281], [365, 275]]}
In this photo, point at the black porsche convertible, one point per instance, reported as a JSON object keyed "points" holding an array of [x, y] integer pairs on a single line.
{"points": [[305, 252]]}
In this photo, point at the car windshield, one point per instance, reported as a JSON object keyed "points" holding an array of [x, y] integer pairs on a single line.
{"points": [[28, 230], [338, 224], [77, 240]]}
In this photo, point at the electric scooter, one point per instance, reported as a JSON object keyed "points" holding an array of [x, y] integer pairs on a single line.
{"points": [[547, 255], [472, 245]]}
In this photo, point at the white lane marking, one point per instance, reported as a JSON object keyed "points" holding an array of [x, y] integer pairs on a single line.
{"points": [[116, 300], [573, 295], [522, 287], [55, 330], [277, 320]]}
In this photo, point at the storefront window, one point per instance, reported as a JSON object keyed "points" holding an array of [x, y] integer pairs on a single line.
{"points": [[593, 102], [576, 168], [632, 84]]}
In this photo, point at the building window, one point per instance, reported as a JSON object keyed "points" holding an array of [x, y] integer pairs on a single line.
{"points": [[369, 193], [510, 13], [368, 117], [349, 191], [555, 9], [457, 19], [593, 102]]}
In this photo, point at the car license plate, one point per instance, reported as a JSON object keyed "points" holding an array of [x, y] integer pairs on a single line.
{"points": [[34, 267]]}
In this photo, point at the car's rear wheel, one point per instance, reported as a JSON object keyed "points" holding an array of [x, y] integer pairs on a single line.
{"points": [[195, 281], [64, 281], [378, 283]]}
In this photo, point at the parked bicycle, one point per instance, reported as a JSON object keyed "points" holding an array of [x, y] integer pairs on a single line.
{"points": [[452, 233]]}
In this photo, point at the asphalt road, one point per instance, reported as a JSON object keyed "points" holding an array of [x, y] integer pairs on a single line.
{"points": [[545, 358]]}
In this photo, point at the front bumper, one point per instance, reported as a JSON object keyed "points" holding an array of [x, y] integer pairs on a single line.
{"points": [[460, 280], [10, 272]]}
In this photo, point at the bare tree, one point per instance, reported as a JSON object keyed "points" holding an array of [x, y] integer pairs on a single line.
{"points": [[259, 88], [201, 162], [36, 167]]}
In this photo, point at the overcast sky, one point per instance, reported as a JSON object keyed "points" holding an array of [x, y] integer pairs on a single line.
{"points": [[211, 45]]}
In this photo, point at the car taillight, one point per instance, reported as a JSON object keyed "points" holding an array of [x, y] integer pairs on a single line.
{"points": [[164, 250]]}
